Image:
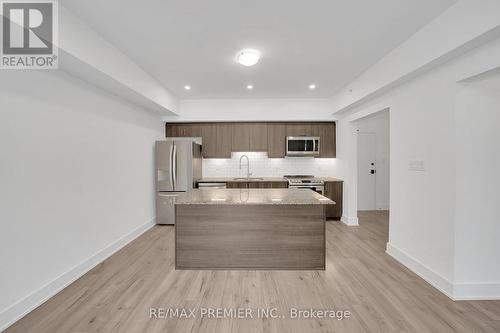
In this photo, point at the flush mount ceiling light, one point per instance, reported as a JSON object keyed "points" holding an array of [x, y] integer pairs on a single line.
{"points": [[187, 87], [248, 57], [250, 87], [312, 86]]}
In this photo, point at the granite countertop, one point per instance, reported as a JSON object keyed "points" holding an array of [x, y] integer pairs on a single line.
{"points": [[252, 197], [240, 179], [329, 179], [256, 179]]}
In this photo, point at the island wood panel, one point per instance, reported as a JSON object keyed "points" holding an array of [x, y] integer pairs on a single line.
{"points": [[333, 191], [250, 237]]}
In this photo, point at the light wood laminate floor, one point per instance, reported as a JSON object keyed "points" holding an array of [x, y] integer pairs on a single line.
{"points": [[381, 294]]}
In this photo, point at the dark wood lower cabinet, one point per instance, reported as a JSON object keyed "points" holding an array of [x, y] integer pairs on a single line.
{"points": [[257, 184], [236, 185], [333, 191], [268, 185]]}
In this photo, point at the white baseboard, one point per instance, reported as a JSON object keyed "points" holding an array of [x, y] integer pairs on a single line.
{"points": [[455, 291], [436, 280], [476, 291], [350, 221], [382, 206], [18, 310]]}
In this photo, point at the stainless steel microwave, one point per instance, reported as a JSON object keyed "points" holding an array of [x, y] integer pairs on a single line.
{"points": [[302, 146]]}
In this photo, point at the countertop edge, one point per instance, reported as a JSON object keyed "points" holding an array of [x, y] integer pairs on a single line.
{"points": [[252, 197], [264, 180]]}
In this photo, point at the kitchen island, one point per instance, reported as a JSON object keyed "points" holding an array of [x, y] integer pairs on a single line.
{"points": [[250, 229]]}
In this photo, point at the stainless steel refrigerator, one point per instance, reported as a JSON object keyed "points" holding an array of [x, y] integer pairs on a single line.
{"points": [[178, 167]]}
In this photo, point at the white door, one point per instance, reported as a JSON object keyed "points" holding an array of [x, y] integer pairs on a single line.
{"points": [[367, 171]]}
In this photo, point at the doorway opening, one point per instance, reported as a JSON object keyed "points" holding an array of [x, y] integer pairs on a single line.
{"points": [[373, 155]]}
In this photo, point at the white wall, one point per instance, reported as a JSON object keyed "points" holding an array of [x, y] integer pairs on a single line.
{"points": [[477, 229], [76, 175], [378, 125], [423, 204], [96, 60], [253, 109], [262, 166], [462, 27]]}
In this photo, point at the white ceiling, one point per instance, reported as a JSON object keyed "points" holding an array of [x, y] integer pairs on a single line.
{"points": [[326, 42]]}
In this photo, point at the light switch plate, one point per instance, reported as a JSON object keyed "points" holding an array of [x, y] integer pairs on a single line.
{"points": [[416, 165]]}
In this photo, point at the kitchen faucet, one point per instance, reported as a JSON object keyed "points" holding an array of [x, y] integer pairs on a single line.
{"points": [[248, 165]]}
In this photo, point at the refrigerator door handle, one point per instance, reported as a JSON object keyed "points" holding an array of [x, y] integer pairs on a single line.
{"points": [[171, 167], [174, 169]]}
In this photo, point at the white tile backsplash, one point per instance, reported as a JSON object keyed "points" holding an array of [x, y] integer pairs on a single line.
{"points": [[262, 166]]}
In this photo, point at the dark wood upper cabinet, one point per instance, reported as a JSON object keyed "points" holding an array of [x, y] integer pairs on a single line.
{"points": [[326, 133], [184, 130], [216, 140], [224, 136], [209, 141], [220, 139], [171, 130], [258, 136], [276, 140], [241, 137], [299, 129], [192, 130], [249, 137]]}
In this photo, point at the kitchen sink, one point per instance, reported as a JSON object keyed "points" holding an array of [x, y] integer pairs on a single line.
{"points": [[249, 178]]}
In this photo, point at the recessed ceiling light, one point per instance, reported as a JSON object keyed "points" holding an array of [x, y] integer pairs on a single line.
{"points": [[250, 87], [186, 87], [312, 86], [248, 57]]}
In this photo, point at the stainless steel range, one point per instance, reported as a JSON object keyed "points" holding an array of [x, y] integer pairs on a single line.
{"points": [[306, 181]]}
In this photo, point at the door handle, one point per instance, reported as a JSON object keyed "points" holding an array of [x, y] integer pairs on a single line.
{"points": [[172, 166], [174, 171]]}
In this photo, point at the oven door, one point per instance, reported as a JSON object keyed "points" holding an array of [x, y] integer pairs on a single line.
{"points": [[302, 146]]}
